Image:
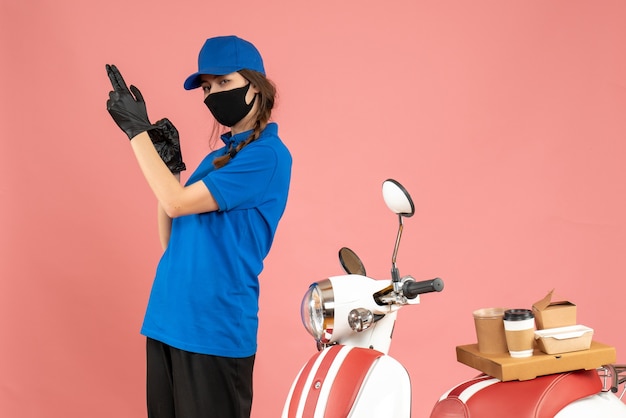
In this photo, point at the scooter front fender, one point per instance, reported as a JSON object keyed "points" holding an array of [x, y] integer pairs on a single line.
{"points": [[343, 381]]}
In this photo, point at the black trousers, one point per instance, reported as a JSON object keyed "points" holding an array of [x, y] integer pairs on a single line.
{"points": [[181, 384]]}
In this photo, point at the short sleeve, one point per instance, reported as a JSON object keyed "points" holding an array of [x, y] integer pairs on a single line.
{"points": [[242, 183]]}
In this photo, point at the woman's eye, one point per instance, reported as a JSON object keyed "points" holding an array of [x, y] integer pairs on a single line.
{"points": [[206, 89]]}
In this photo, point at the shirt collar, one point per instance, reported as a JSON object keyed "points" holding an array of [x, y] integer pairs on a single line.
{"points": [[231, 140]]}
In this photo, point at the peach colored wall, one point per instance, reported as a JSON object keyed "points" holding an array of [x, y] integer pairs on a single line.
{"points": [[505, 120]]}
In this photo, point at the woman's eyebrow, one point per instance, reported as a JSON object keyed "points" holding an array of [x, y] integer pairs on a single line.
{"points": [[214, 79]]}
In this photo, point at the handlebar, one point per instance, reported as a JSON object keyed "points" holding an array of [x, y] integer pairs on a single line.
{"points": [[410, 288]]}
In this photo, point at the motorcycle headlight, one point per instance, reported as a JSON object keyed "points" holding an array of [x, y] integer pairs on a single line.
{"points": [[317, 311]]}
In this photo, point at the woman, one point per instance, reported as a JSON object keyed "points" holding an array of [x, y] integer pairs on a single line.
{"points": [[201, 320]]}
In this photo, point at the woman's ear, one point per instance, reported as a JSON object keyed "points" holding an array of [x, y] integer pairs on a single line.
{"points": [[251, 94]]}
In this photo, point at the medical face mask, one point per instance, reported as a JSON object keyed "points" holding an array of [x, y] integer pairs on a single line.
{"points": [[229, 107]]}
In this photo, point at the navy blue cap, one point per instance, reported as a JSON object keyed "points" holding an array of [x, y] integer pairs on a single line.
{"points": [[224, 55]]}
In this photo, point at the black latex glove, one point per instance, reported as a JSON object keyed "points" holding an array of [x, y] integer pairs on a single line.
{"points": [[166, 141], [127, 107]]}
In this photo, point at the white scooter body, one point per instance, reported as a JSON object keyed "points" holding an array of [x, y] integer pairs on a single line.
{"points": [[352, 318], [604, 404], [385, 388]]}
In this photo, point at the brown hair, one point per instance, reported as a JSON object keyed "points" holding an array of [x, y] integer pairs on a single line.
{"points": [[266, 99]]}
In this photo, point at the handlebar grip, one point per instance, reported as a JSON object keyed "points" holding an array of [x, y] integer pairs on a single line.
{"points": [[410, 289]]}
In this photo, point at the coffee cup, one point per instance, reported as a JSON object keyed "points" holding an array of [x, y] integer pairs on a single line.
{"points": [[519, 329], [490, 330]]}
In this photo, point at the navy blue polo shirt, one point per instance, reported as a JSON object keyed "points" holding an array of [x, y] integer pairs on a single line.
{"points": [[205, 294]]}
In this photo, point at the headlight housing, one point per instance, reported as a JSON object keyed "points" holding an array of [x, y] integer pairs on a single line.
{"points": [[317, 311]]}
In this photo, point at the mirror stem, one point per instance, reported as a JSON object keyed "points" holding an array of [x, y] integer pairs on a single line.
{"points": [[395, 273]]}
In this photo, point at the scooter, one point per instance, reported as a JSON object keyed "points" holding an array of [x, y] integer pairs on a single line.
{"points": [[352, 318]]}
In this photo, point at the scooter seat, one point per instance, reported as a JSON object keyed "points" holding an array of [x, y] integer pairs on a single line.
{"points": [[542, 397]]}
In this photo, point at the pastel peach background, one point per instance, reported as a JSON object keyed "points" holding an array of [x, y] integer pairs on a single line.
{"points": [[504, 119]]}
